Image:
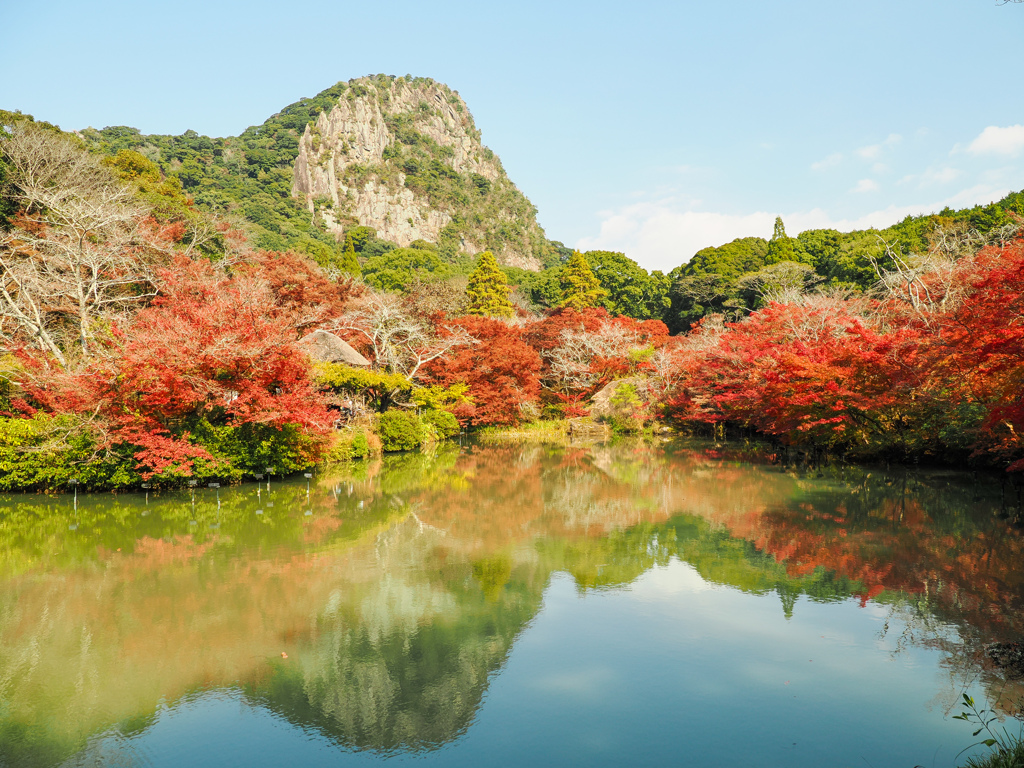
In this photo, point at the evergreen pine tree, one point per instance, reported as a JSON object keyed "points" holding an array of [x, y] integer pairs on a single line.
{"points": [[488, 289], [580, 289]]}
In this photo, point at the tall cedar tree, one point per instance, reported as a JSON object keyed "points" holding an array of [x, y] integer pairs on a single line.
{"points": [[349, 263], [780, 247], [580, 289], [488, 289]]}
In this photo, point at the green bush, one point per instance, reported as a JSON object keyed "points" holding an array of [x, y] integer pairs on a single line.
{"points": [[360, 446], [350, 443], [400, 431], [444, 423], [48, 452]]}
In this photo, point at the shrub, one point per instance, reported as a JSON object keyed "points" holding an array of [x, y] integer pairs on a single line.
{"points": [[48, 452], [400, 431], [444, 423], [351, 443], [360, 446]]}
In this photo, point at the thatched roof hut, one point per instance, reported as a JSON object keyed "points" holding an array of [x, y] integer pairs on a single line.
{"points": [[330, 348]]}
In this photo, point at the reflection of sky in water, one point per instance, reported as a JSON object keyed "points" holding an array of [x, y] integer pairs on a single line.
{"points": [[536, 611], [667, 671]]}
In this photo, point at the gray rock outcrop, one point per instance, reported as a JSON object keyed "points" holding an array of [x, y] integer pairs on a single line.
{"points": [[404, 157]]}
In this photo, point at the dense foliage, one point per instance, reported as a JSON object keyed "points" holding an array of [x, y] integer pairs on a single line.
{"points": [[932, 367], [488, 289], [147, 338]]}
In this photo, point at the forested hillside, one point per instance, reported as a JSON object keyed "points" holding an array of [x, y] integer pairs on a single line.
{"points": [[400, 155], [737, 277]]}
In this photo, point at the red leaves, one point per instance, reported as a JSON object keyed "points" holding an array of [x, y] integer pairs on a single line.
{"points": [[835, 372], [803, 373], [984, 345], [209, 347], [501, 371], [301, 294]]}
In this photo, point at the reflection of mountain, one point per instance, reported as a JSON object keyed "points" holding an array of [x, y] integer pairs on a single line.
{"points": [[403, 665], [404, 588]]}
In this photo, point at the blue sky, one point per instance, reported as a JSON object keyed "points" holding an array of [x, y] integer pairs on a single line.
{"points": [[649, 127]]}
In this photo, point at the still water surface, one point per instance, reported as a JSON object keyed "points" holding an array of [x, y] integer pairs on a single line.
{"points": [[509, 606]]}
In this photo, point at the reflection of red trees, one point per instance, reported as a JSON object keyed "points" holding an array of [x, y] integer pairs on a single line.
{"points": [[899, 547]]}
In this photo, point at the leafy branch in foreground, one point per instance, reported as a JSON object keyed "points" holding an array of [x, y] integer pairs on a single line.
{"points": [[1008, 750]]}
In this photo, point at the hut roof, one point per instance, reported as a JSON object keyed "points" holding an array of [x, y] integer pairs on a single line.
{"points": [[330, 348]]}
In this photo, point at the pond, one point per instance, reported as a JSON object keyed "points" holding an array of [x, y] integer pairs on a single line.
{"points": [[514, 605]]}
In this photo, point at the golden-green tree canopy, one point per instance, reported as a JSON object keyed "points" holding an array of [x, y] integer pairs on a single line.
{"points": [[580, 289], [488, 289]]}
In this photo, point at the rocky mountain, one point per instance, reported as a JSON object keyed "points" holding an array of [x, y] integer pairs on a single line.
{"points": [[403, 156], [398, 154]]}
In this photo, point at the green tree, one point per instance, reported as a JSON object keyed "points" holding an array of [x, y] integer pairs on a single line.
{"points": [[631, 291], [780, 247], [580, 289], [742, 255], [488, 289], [397, 270], [348, 262], [358, 237]]}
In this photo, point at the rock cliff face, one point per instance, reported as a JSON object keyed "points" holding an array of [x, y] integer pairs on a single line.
{"points": [[403, 156]]}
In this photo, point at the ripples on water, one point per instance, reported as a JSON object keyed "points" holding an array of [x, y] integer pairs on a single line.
{"points": [[510, 605]]}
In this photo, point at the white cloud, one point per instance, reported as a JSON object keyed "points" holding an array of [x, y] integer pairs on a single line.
{"points": [[998, 141], [940, 176], [872, 151], [666, 233], [932, 177], [661, 235], [829, 162], [866, 185]]}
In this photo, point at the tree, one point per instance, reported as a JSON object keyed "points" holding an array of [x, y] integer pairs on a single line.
{"points": [[349, 263], [358, 237], [397, 340], [204, 377], [81, 247], [782, 283], [488, 289], [631, 290], [780, 247], [500, 370], [396, 270], [580, 289], [302, 295], [745, 254]]}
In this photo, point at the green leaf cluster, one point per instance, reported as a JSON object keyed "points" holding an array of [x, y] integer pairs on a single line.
{"points": [[630, 289], [377, 388], [400, 431], [712, 281], [398, 269]]}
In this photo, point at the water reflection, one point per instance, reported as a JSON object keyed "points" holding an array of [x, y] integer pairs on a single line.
{"points": [[374, 606]]}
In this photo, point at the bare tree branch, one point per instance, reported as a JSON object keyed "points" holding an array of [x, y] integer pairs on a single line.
{"points": [[76, 251]]}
